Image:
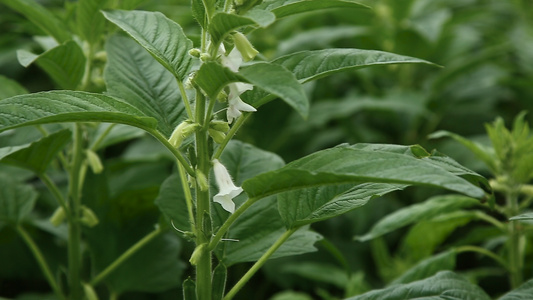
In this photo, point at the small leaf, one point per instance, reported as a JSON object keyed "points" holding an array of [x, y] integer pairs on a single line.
{"points": [[10, 88], [224, 23], [348, 164], [219, 281], [526, 216], [171, 202], [428, 267], [65, 63], [161, 37], [418, 212], [189, 289], [212, 78], [41, 17], [38, 155], [198, 12], [283, 8], [311, 65], [90, 21], [145, 84], [523, 292], [16, 200], [69, 106], [444, 285]]}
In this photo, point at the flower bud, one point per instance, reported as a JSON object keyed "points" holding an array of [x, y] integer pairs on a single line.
{"points": [[197, 254], [205, 56], [244, 46], [219, 125], [90, 293], [201, 180], [88, 217], [58, 216], [94, 161], [218, 136], [182, 131], [195, 52]]}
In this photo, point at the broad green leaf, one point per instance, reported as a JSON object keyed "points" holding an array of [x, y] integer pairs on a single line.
{"points": [[482, 152], [428, 267], [418, 212], [311, 65], [348, 164], [315, 204], [161, 37], [10, 88], [198, 12], [69, 106], [260, 226], [41, 17], [444, 285], [212, 78], [16, 200], [523, 292], [526, 216], [283, 8], [171, 202], [224, 23], [90, 21], [38, 155], [65, 63], [145, 84]]}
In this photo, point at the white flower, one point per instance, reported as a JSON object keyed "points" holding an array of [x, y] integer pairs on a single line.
{"points": [[226, 188], [234, 59], [235, 103]]}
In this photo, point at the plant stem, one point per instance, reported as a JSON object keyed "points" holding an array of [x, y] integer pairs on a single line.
{"points": [[127, 254], [484, 252], [258, 264], [203, 208], [515, 252], [74, 232], [55, 191], [233, 130], [101, 138], [185, 99], [188, 195], [41, 261]]}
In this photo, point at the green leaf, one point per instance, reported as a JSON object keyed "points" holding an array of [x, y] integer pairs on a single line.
{"points": [[145, 84], [320, 203], [41, 17], [212, 78], [318, 272], [10, 88], [224, 23], [480, 151], [161, 37], [69, 106], [38, 155], [523, 292], [428, 267], [444, 285], [65, 63], [311, 65], [90, 21], [16, 200], [283, 8], [260, 226], [171, 202], [526, 216], [357, 164], [198, 12], [418, 212]]}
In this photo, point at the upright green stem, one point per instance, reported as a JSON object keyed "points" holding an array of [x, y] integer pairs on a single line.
{"points": [[515, 251], [203, 211], [230, 134], [185, 99], [54, 190], [74, 232], [188, 195], [258, 264], [41, 261]]}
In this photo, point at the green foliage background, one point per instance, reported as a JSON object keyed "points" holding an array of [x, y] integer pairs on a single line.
{"points": [[485, 48]]}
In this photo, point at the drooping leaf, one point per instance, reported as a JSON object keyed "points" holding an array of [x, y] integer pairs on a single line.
{"points": [[523, 292], [526, 216], [38, 155], [69, 106], [10, 88], [428, 267], [348, 164], [260, 226], [444, 285], [311, 65], [418, 212], [224, 23], [65, 63], [212, 78], [16, 200], [315, 204], [283, 8], [161, 37], [41, 17], [145, 84], [90, 21]]}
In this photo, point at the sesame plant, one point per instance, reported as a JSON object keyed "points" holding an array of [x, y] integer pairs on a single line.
{"points": [[84, 207]]}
